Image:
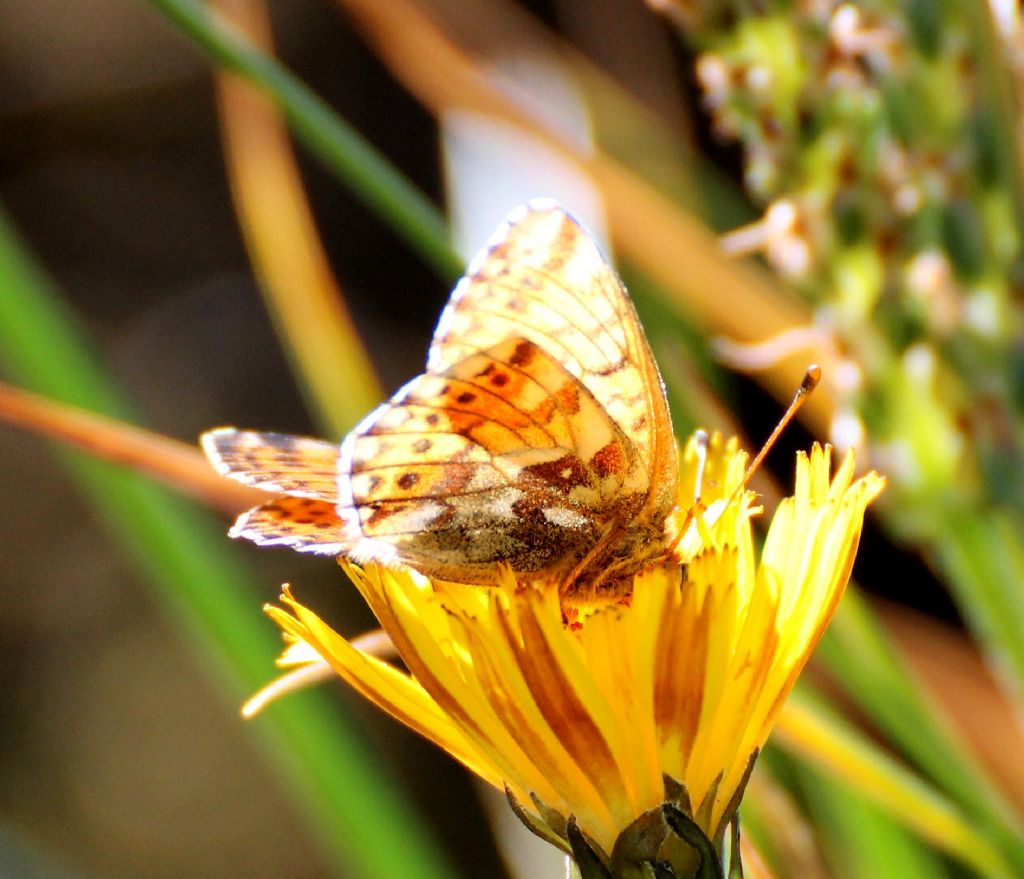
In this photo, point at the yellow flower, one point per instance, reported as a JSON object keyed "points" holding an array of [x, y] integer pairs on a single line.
{"points": [[666, 696]]}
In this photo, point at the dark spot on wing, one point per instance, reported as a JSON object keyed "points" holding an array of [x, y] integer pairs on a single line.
{"points": [[407, 480], [566, 473], [456, 477], [523, 353], [568, 397], [382, 512], [609, 460]]}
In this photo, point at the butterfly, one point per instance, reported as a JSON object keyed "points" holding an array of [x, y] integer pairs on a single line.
{"points": [[538, 437]]}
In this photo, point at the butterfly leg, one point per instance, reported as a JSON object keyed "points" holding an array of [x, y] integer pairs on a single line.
{"points": [[571, 588]]}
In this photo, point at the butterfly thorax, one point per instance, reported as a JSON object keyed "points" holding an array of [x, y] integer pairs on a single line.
{"points": [[606, 574]]}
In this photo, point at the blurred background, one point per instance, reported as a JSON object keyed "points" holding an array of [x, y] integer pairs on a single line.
{"points": [[120, 756], [123, 752]]}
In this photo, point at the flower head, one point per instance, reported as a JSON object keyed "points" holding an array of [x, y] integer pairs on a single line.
{"points": [[666, 696]]}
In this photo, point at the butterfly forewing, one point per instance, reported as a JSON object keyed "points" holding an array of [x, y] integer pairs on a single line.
{"points": [[542, 277], [279, 462]]}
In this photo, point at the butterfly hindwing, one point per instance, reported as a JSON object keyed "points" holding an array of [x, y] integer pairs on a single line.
{"points": [[483, 465], [301, 523], [278, 462]]}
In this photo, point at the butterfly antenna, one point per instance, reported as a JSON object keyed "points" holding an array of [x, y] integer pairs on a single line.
{"points": [[810, 382]]}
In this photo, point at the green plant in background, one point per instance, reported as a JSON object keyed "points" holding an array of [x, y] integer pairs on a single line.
{"points": [[882, 140]]}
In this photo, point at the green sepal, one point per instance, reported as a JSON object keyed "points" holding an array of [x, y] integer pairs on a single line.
{"points": [[735, 860], [657, 870], [676, 792], [665, 842], [589, 860], [537, 826], [640, 842], [702, 816], [683, 826], [551, 817], [733, 806]]}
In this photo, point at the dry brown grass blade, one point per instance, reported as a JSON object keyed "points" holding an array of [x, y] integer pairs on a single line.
{"points": [[676, 250], [301, 292], [653, 134], [176, 463]]}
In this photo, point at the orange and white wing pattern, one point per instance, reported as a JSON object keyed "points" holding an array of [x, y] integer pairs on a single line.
{"points": [[542, 277], [303, 472], [538, 437], [504, 457]]}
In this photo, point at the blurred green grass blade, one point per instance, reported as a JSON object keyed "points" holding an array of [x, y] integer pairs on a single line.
{"points": [[860, 655], [999, 100], [334, 775], [859, 840], [772, 819], [324, 133], [983, 557], [817, 735]]}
